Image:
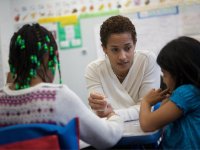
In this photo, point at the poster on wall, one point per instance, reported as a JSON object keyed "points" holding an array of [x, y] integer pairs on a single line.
{"points": [[190, 20], [69, 36], [27, 11]]}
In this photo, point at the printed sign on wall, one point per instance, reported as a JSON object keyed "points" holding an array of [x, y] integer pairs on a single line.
{"points": [[69, 36]]}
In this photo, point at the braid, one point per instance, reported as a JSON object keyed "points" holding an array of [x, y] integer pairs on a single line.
{"points": [[28, 49]]}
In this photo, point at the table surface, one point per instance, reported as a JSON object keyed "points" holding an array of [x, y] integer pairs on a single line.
{"points": [[132, 128], [133, 134]]}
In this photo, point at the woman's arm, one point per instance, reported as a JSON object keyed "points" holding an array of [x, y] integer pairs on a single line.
{"points": [[96, 97], [130, 113], [92, 78]]}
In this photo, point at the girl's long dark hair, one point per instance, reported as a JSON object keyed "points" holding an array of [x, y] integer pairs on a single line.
{"points": [[181, 58]]}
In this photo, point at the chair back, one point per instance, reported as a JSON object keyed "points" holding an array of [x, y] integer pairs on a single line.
{"points": [[68, 135], [49, 142]]}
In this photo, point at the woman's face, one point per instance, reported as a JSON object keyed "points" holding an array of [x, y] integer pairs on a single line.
{"points": [[168, 80], [120, 51]]}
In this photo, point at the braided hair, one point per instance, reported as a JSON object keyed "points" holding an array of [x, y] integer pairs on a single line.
{"points": [[33, 52]]}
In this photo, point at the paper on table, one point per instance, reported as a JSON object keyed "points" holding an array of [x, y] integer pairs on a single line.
{"points": [[132, 128], [83, 144]]}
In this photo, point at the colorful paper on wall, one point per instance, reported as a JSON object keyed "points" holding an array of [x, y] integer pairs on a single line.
{"points": [[159, 12], [64, 20], [69, 36], [26, 11]]}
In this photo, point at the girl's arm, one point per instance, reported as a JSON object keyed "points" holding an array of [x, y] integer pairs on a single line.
{"points": [[168, 112]]}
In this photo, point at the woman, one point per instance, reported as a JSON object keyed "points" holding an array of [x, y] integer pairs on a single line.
{"points": [[125, 75]]}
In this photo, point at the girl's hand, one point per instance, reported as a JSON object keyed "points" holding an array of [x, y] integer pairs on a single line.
{"points": [[154, 96]]}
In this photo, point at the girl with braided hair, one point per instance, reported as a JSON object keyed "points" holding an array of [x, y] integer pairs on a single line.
{"points": [[33, 98], [32, 58]]}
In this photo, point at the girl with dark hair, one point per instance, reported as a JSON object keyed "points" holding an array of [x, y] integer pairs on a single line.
{"points": [[31, 97], [180, 112]]}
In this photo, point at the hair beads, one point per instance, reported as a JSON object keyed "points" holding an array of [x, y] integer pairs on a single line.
{"points": [[31, 44]]}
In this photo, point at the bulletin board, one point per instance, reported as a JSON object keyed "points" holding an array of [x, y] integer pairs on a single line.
{"points": [[150, 18], [156, 27], [69, 36]]}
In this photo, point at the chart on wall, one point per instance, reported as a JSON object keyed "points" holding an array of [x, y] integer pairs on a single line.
{"points": [[158, 26], [69, 36], [190, 20], [27, 11]]}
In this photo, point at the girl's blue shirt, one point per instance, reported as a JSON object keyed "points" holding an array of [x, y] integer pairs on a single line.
{"points": [[184, 133]]}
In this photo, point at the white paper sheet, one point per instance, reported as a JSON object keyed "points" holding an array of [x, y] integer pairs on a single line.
{"points": [[132, 128]]}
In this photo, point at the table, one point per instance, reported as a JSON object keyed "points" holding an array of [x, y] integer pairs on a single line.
{"points": [[133, 135]]}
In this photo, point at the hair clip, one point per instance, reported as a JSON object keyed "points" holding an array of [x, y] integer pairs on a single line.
{"points": [[38, 64], [18, 40], [16, 86], [55, 59], [47, 38], [45, 47], [50, 63], [61, 81], [34, 59], [53, 70], [12, 69], [51, 50], [39, 44], [22, 44], [32, 72]]}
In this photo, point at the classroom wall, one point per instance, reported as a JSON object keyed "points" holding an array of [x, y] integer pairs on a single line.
{"points": [[6, 31], [154, 28]]}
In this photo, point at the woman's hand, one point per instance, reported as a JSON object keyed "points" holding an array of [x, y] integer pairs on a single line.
{"points": [[155, 96], [99, 104]]}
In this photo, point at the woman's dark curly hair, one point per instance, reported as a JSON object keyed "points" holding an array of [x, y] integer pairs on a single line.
{"points": [[181, 58], [116, 25]]}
